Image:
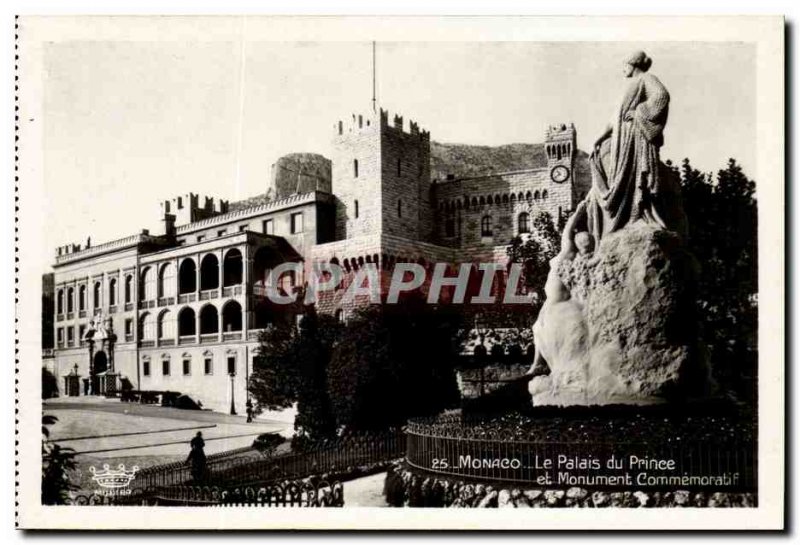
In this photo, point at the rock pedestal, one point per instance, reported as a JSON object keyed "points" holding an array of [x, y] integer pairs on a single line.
{"points": [[627, 332]]}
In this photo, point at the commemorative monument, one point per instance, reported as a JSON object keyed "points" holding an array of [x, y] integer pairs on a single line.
{"points": [[619, 325]]}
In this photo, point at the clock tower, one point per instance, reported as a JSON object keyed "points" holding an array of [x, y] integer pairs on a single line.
{"points": [[560, 147]]}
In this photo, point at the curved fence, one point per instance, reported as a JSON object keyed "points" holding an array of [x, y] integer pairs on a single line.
{"points": [[449, 446], [247, 466]]}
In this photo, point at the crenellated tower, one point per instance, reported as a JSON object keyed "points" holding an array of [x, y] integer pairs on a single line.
{"points": [[381, 177], [560, 145]]}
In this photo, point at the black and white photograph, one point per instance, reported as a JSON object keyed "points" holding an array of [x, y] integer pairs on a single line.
{"points": [[296, 270]]}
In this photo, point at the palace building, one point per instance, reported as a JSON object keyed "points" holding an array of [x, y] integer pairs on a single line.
{"points": [[181, 310]]}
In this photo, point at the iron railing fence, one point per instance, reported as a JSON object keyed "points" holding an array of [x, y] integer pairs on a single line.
{"points": [[450, 447], [240, 468]]}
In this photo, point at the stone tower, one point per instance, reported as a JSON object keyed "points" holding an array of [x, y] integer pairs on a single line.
{"points": [[560, 142], [560, 145], [381, 178]]}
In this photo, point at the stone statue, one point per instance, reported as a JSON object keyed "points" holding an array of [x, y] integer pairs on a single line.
{"points": [[619, 324], [626, 182]]}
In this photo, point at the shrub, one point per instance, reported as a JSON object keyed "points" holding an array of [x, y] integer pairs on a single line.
{"points": [[266, 443], [49, 384]]}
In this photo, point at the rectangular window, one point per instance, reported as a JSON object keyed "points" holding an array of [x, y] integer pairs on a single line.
{"points": [[187, 367], [70, 335], [222, 232], [60, 335], [81, 333], [297, 223], [231, 365], [208, 366], [243, 228], [268, 227], [146, 368], [165, 368], [201, 238], [129, 326]]}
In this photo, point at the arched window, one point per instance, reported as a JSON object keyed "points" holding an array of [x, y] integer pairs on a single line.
{"points": [[355, 168], [166, 325], [147, 327], [128, 288], [544, 194], [232, 268], [98, 295], [186, 322], [209, 320], [147, 287], [523, 223], [486, 226], [232, 316], [187, 276], [71, 300], [60, 302], [112, 292], [209, 272], [166, 280], [82, 297]]}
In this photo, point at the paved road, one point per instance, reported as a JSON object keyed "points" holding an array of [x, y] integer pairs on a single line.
{"points": [[157, 411], [111, 429]]}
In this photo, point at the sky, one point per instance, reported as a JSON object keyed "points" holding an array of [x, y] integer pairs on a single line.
{"points": [[129, 124]]}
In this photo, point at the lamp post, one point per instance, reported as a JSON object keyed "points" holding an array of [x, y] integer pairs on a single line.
{"points": [[233, 404]]}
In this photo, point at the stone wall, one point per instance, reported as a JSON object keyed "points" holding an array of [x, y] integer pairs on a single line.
{"points": [[501, 197]]}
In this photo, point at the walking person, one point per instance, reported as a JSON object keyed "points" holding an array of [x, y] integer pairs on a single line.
{"points": [[197, 457], [249, 406]]}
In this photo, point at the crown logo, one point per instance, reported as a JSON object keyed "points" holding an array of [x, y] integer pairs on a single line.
{"points": [[113, 478]]}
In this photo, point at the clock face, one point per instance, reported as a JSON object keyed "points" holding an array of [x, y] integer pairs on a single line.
{"points": [[559, 173]]}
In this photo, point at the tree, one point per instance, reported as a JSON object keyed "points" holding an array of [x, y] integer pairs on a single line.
{"points": [[392, 363], [723, 235], [49, 384], [274, 380], [534, 252], [57, 462], [290, 367]]}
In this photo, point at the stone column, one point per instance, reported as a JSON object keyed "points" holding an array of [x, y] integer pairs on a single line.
{"points": [[197, 327], [221, 268], [197, 275], [177, 281], [91, 368]]}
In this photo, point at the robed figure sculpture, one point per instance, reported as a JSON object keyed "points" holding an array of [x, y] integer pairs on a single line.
{"points": [[626, 183]]}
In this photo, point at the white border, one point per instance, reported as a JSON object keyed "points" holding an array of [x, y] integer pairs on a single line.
{"points": [[766, 31]]}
